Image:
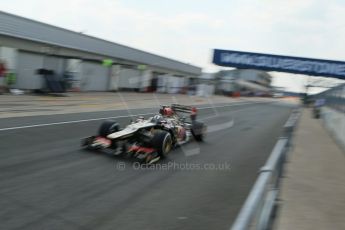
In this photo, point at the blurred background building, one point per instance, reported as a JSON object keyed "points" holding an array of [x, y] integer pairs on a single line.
{"points": [[87, 63], [206, 85], [245, 82]]}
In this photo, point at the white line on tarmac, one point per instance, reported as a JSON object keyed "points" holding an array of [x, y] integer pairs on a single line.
{"points": [[215, 128], [68, 122], [234, 104], [105, 118], [217, 116]]}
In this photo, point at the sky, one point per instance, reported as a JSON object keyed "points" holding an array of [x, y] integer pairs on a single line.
{"points": [[188, 30]]}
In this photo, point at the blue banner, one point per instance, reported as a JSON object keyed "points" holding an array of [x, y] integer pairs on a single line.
{"points": [[268, 62]]}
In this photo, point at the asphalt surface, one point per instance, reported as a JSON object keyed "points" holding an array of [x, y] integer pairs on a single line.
{"points": [[48, 182]]}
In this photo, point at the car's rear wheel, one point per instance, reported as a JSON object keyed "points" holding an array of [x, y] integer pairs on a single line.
{"points": [[162, 142], [198, 131]]}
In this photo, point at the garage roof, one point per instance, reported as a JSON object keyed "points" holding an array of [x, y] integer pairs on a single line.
{"points": [[16, 26]]}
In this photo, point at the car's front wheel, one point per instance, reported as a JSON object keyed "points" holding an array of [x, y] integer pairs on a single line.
{"points": [[108, 127], [162, 142]]}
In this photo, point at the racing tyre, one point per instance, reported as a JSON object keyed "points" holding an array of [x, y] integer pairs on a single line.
{"points": [[198, 131], [162, 142], [108, 127], [86, 143]]}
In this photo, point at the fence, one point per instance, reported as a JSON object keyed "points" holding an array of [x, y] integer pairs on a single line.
{"points": [[259, 206]]}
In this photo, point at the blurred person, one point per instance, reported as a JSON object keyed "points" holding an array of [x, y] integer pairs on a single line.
{"points": [[3, 71], [317, 107]]}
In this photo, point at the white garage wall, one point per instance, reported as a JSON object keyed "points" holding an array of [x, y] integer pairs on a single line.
{"points": [[175, 84], [54, 63], [27, 65], [162, 83], [9, 55], [205, 90], [129, 79], [114, 78], [94, 77], [145, 80], [74, 68]]}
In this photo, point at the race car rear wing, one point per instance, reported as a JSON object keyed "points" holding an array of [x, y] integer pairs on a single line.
{"points": [[181, 108], [185, 109]]}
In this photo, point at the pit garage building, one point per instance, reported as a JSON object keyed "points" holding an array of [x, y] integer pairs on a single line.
{"points": [[27, 45], [243, 81]]}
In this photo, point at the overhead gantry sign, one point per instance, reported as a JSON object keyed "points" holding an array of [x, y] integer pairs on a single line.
{"points": [[269, 62]]}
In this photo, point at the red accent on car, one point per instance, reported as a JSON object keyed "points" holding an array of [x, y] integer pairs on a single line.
{"points": [[181, 133], [193, 113], [103, 140], [136, 148]]}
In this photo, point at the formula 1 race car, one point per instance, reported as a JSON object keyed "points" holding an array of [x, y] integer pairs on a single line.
{"points": [[150, 139]]}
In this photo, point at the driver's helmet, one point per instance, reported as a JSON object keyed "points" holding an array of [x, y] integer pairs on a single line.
{"points": [[157, 119], [168, 112]]}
